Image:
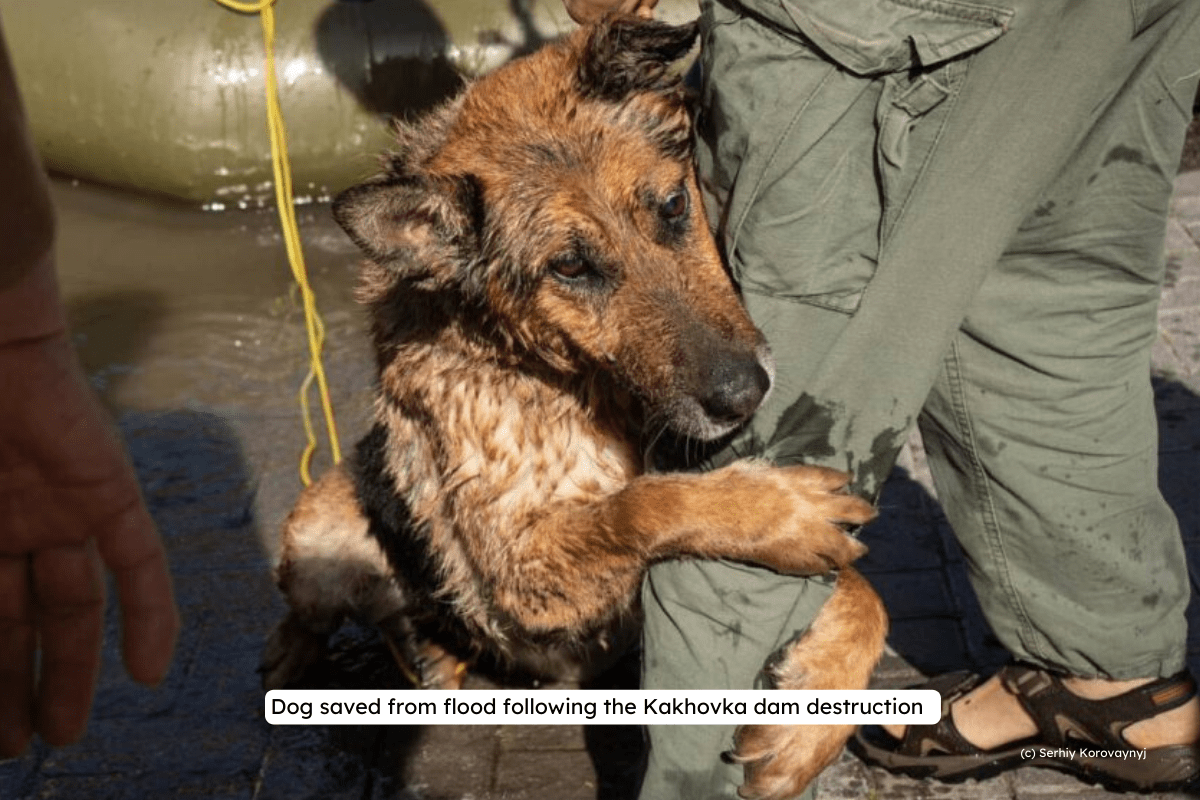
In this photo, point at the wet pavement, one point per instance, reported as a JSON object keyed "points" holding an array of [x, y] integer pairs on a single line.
{"points": [[191, 331]]}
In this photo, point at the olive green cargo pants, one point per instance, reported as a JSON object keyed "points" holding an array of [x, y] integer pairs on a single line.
{"points": [[951, 213]]}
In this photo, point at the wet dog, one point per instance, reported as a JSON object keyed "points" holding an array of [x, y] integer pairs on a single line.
{"points": [[545, 299]]}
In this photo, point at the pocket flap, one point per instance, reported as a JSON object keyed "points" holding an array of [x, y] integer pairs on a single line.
{"points": [[869, 37]]}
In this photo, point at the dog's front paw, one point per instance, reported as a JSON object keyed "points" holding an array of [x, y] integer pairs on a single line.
{"points": [[823, 493], [779, 761], [821, 510]]}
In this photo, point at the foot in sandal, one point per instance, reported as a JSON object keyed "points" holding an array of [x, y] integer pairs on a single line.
{"points": [[1141, 735]]}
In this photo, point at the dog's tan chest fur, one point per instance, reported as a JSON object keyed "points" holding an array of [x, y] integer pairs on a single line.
{"points": [[502, 440], [502, 448]]}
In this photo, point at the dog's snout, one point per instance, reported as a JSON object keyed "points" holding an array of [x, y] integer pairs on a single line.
{"points": [[736, 388]]}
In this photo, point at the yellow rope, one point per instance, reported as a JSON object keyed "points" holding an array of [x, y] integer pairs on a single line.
{"points": [[291, 238]]}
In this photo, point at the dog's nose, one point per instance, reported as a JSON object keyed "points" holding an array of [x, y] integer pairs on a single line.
{"points": [[736, 388]]}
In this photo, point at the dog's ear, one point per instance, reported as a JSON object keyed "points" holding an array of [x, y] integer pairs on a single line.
{"points": [[421, 229], [626, 54]]}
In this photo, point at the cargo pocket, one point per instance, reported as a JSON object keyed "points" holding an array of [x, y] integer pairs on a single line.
{"points": [[829, 109]]}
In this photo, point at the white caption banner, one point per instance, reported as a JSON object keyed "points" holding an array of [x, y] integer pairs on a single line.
{"points": [[600, 707]]}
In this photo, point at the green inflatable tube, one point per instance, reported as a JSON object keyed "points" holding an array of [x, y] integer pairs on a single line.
{"points": [[167, 96]]}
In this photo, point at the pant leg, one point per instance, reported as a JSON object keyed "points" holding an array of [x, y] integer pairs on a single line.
{"points": [[1041, 429], [860, 316], [715, 624]]}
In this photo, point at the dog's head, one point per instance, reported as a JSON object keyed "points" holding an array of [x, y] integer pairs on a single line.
{"points": [[556, 199]]}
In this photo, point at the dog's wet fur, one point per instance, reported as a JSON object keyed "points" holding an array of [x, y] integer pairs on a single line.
{"points": [[546, 300]]}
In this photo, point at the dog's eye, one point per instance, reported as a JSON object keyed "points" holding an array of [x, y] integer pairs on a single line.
{"points": [[570, 268], [675, 206]]}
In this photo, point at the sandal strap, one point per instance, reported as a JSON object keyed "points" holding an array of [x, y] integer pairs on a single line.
{"points": [[943, 737], [1063, 717]]}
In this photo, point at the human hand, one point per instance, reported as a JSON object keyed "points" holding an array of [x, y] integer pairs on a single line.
{"points": [[586, 12], [68, 502]]}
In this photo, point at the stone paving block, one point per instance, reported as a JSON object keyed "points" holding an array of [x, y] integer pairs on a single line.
{"points": [[118, 787], [1192, 225], [886, 786], [156, 757], [1177, 352], [19, 776], [1167, 360], [450, 761], [308, 761], [847, 779], [1033, 783], [1182, 293], [1182, 254], [563, 775], [514, 738], [1185, 202], [1179, 241], [1185, 294]]}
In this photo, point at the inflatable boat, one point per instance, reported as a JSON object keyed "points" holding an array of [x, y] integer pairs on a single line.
{"points": [[167, 96]]}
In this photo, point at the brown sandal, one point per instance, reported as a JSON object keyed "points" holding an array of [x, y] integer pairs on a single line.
{"points": [[1075, 735]]}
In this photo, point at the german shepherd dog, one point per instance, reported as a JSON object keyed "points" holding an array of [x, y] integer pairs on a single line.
{"points": [[545, 299]]}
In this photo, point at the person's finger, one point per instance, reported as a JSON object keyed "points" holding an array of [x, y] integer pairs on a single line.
{"points": [[68, 590], [150, 621], [132, 550], [18, 641]]}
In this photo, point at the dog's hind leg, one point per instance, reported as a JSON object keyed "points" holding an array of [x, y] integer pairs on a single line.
{"points": [[329, 568], [839, 651], [292, 647], [424, 662]]}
